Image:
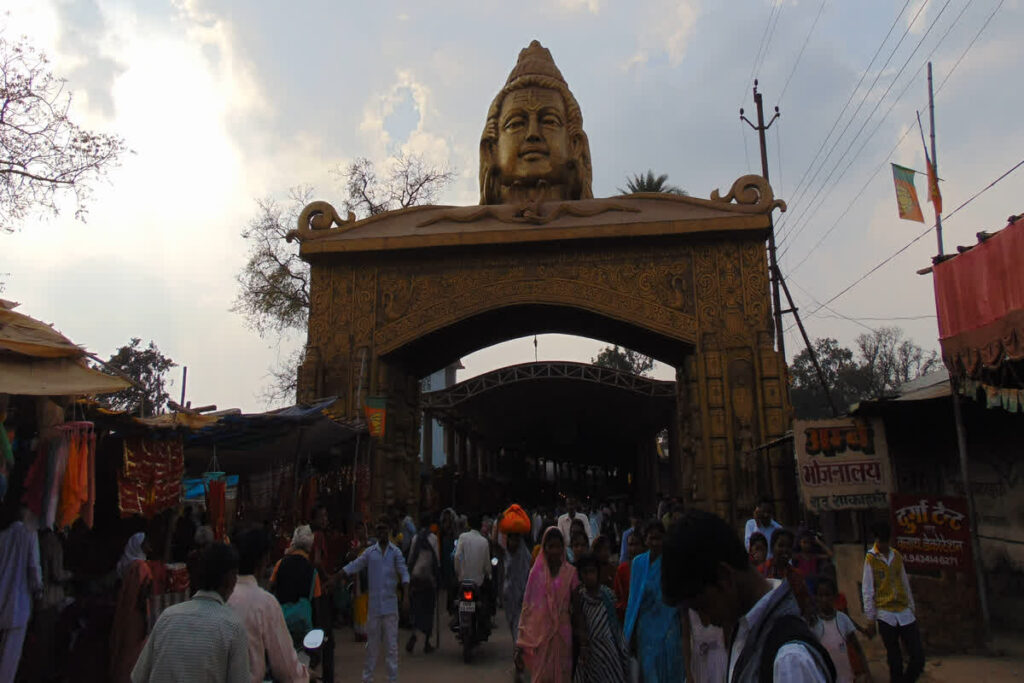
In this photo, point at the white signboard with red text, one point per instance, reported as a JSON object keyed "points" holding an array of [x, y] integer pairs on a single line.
{"points": [[842, 464]]}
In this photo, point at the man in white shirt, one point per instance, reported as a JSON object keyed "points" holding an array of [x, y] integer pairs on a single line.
{"points": [[473, 555], [762, 523], [565, 521], [270, 644], [705, 568]]}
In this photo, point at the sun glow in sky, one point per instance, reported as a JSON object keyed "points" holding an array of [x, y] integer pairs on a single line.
{"points": [[225, 103]]}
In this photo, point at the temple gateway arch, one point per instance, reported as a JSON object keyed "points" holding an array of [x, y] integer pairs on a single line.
{"points": [[683, 279]]}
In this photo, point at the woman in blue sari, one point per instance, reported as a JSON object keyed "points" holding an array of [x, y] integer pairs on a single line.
{"points": [[653, 627]]}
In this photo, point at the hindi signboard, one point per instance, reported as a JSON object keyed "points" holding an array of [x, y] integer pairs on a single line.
{"points": [[842, 464], [931, 532]]}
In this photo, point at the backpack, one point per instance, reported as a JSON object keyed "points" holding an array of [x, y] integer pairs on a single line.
{"points": [[422, 574], [298, 615], [791, 628]]}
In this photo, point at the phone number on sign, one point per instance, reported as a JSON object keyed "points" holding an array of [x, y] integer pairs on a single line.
{"points": [[940, 560]]}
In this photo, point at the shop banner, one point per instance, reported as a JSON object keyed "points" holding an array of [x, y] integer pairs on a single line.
{"points": [[376, 414], [931, 532], [842, 464]]}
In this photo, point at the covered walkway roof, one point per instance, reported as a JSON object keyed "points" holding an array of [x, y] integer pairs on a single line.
{"points": [[559, 410]]}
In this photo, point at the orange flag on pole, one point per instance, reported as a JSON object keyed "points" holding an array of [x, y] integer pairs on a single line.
{"points": [[934, 196]]}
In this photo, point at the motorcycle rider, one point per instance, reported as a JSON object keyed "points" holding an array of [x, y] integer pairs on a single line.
{"points": [[473, 560]]}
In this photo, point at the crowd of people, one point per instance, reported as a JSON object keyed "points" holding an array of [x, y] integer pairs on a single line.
{"points": [[598, 594]]}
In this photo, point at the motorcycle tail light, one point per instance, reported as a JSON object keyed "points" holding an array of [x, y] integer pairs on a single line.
{"points": [[467, 595]]}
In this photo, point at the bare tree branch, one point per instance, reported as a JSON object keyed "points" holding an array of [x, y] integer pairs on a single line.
{"points": [[43, 154], [273, 292]]}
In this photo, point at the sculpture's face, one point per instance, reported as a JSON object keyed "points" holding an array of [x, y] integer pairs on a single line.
{"points": [[533, 141]]}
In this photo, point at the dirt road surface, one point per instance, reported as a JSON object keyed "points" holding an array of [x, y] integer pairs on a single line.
{"points": [[492, 661]]}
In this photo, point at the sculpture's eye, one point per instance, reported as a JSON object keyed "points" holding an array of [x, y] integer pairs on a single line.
{"points": [[515, 123], [552, 120]]}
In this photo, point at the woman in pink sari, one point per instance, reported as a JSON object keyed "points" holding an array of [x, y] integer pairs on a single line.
{"points": [[544, 645]]}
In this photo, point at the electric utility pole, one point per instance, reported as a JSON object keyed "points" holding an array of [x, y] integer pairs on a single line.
{"points": [[773, 264], [958, 413]]}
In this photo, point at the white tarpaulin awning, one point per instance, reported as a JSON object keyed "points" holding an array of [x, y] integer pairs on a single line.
{"points": [[54, 377]]}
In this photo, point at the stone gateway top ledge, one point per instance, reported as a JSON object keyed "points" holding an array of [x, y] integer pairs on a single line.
{"points": [[746, 207]]}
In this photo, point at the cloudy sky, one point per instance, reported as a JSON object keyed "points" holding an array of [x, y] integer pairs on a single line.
{"points": [[227, 102]]}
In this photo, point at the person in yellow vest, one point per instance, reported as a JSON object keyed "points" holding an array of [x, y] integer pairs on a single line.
{"points": [[889, 604]]}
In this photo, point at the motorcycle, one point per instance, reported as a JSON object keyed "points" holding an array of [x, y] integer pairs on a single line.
{"points": [[312, 642], [472, 623]]}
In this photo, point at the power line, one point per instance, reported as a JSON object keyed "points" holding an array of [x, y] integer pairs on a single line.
{"points": [[890, 318], [771, 34], [827, 308], [804, 220], [761, 45], [853, 93], [902, 249], [802, 48], [852, 202], [907, 132], [746, 152], [969, 46], [778, 154]]}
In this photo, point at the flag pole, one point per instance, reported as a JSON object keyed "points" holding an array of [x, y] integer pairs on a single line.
{"points": [[935, 159], [958, 416]]}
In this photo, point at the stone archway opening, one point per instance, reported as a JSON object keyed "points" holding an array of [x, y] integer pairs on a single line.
{"points": [[599, 436], [531, 431]]}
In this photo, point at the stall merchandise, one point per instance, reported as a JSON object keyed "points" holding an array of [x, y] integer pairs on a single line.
{"points": [[60, 486], [151, 480]]}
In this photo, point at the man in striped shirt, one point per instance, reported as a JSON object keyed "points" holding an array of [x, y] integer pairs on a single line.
{"points": [[202, 640]]}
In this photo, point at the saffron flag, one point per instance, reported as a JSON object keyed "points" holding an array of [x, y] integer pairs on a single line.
{"points": [[906, 194], [376, 410], [934, 196]]}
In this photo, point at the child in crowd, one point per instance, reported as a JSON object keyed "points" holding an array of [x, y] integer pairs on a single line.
{"points": [[758, 549], [603, 653], [838, 633], [703, 650], [780, 566], [811, 558], [577, 546]]}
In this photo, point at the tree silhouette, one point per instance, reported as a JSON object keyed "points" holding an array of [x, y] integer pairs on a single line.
{"points": [[650, 183], [627, 360]]}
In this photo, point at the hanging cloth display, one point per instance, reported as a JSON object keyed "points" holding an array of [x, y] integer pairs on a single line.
{"points": [[216, 501], [75, 485], [151, 480], [216, 497]]}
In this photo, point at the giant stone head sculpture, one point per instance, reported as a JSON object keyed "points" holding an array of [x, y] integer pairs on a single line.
{"points": [[533, 146]]}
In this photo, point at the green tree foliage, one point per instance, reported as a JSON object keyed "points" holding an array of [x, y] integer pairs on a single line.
{"points": [[44, 156], [147, 368], [884, 360], [650, 183], [624, 359], [842, 375]]}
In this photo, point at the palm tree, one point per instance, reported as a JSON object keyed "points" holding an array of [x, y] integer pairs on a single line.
{"points": [[651, 183]]}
